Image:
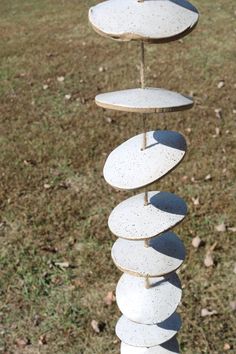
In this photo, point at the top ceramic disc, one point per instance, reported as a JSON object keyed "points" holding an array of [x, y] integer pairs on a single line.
{"points": [[140, 335], [129, 167], [146, 100], [170, 347], [149, 20]]}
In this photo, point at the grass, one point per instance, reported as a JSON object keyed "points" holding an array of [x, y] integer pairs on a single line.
{"points": [[54, 202]]}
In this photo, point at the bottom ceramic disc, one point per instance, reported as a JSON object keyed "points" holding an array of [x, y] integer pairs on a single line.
{"points": [[170, 347], [139, 335]]}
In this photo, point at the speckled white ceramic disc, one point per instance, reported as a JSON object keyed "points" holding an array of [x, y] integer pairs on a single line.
{"points": [[170, 347], [164, 255], [152, 21], [139, 335], [146, 100], [129, 167], [132, 220], [148, 305]]}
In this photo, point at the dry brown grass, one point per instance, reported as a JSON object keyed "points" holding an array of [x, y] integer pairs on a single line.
{"points": [[54, 202]]}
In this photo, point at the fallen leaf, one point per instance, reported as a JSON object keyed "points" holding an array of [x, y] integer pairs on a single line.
{"points": [[232, 305], [78, 283], [232, 229], [110, 298], [221, 227], [48, 248], [62, 264], [42, 339], [50, 55], [68, 97], [30, 163], [196, 242], [212, 248], [217, 130], [22, 343], [196, 201], [108, 120], [60, 78], [56, 280], [80, 246], [47, 186], [206, 312], [218, 112], [208, 178], [45, 87], [227, 347], [97, 326], [208, 261], [192, 93], [221, 84]]}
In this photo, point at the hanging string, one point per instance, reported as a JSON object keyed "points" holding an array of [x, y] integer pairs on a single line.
{"points": [[142, 79], [142, 65], [146, 243], [147, 283]]}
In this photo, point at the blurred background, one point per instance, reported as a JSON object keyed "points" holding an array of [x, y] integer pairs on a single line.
{"points": [[57, 279]]}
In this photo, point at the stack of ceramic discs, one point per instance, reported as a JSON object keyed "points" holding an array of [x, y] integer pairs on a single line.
{"points": [[149, 291]]}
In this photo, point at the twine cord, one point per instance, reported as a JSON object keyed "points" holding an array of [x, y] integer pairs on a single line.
{"points": [[147, 283], [142, 79], [146, 243]]}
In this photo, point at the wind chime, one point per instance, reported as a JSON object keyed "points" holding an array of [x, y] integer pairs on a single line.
{"points": [[149, 291]]}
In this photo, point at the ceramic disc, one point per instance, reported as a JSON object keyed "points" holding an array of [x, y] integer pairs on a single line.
{"points": [[133, 220], [152, 21], [139, 335], [148, 305], [146, 100], [170, 347], [164, 255], [129, 167]]}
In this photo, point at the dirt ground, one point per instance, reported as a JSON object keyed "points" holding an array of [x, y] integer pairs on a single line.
{"points": [[55, 264]]}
